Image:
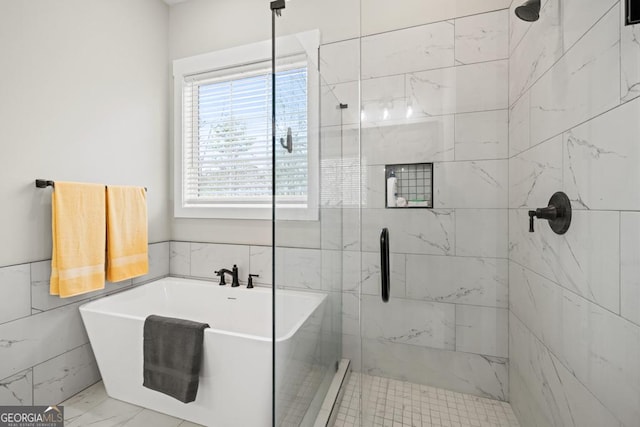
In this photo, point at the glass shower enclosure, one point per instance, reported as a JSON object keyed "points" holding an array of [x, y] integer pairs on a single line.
{"points": [[307, 220], [482, 118], [415, 294]]}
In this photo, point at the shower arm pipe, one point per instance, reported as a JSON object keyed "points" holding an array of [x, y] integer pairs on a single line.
{"points": [[44, 183]]}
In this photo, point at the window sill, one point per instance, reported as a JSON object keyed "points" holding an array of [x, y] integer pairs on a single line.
{"points": [[248, 213]]}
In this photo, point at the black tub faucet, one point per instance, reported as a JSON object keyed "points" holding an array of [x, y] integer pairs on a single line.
{"points": [[234, 276]]}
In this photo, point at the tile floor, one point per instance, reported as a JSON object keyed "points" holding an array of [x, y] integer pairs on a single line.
{"points": [[92, 407], [390, 403], [393, 403]]}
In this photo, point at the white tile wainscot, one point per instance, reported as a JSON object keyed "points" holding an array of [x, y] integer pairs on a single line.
{"points": [[45, 351], [17, 389], [59, 378], [15, 293], [206, 258], [32, 340]]}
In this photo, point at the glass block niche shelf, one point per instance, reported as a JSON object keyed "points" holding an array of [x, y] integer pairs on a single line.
{"points": [[413, 186]]}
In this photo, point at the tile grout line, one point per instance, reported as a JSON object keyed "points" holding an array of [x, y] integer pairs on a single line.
{"points": [[429, 23]]}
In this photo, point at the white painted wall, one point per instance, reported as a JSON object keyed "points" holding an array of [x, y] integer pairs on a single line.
{"points": [[200, 26], [83, 97]]}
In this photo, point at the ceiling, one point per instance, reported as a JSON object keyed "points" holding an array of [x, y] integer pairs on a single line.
{"points": [[172, 2]]}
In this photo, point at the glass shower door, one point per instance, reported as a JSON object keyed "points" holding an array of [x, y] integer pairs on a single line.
{"points": [[434, 269], [307, 230]]}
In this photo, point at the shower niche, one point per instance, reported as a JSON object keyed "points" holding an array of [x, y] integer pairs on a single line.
{"points": [[409, 185]]}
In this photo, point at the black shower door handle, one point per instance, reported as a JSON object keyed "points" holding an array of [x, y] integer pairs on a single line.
{"points": [[384, 264]]}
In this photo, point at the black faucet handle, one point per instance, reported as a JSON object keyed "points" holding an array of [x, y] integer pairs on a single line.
{"points": [[220, 273], [234, 274], [549, 213], [250, 280], [532, 215]]}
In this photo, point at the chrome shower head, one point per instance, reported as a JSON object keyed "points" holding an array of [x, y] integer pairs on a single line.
{"points": [[529, 11]]}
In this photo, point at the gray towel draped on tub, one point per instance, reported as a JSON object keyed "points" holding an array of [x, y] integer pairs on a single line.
{"points": [[172, 356]]}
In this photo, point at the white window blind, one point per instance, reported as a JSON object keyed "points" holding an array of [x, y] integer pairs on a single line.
{"points": [[227, 137]]}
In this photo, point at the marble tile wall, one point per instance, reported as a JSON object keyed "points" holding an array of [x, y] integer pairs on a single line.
{"points": [[574, 328], [420, 12], [44, 350], [302, 268], [421, 101]]}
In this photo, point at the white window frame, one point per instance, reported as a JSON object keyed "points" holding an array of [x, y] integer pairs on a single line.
{"points": [[306, 44]]}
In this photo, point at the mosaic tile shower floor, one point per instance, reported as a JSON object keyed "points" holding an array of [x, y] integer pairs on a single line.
{"points": [[393, 403]]}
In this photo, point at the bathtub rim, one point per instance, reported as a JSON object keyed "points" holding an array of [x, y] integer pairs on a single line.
{"points": [[321, 298]]}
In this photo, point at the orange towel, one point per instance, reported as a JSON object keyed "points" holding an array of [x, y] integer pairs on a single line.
{"points": [[127, 242], [78, 232]]}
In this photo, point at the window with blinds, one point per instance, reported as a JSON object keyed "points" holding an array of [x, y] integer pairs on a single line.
{"points": [[223, 137], [227, 137]]}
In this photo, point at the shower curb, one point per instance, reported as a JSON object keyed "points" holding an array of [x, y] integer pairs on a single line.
{"points": [[329, 410]]}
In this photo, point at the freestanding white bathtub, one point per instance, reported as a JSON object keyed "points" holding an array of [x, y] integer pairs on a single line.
{"points": [[236, 375]]}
